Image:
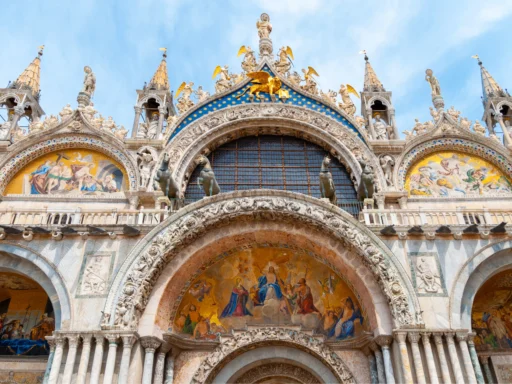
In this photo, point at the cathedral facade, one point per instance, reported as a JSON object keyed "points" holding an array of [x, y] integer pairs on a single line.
{"points": [[264, 233]]}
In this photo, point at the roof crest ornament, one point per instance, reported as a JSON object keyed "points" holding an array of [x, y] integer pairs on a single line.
{"points": [[371, 81], [160, 80], [264, 30], [30, 78], [490, 88]]}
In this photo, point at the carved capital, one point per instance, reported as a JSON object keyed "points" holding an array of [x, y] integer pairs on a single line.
{"points": [[60, 341], [112, 338], [438, 337], [471, 338], [374, 346], [384, 341], [51, 342], [150, 343], [128, 340], [461, 336], [86, 338], [414, 337], [449, 337], [400, 336], [484, 359], [100, 339], [425, 337], [73, 340], [138, 110]]}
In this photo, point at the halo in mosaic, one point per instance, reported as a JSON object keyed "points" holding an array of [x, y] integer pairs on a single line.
{"points": [[16, 163], [296, 98], [456, 144]]}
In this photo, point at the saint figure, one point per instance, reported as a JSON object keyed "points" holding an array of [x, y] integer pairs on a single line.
{"points": [[238, 301]]}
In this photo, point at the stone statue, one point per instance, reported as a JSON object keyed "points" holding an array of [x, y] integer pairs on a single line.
{"points": [[418, 128], [185, 102], [329, 97], [51, 121], [434, 84], [152, 133], [206, 178], [142, 131], [387, 163], [435, 114], [224, 81], [283, 63], [380, 128], [346, 104], [97, 122], [36, 126], [327, 188], [249, 63], [108, 125], [366, 186], [295, 78], [5, 129], [120, 132], [17, 134], [454, 113], [146, 164], [236, 78], [428, 277], [495, 137], [89, 81], [89, 112], [311, 85], [164, 179], [465, 123], [479, 128], [66, 112], [264, 26], [201, 94]]}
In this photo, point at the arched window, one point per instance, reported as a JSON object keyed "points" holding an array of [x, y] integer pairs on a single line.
{"points": [[274, 162]]}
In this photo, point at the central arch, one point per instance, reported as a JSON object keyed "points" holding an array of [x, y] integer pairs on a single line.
{"points": [[132, 287]]}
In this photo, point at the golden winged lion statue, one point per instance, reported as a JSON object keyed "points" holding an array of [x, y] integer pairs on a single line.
{"points": [[263, 82]]}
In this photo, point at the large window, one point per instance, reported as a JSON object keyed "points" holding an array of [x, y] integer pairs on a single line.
{"points": [[274, 162]]}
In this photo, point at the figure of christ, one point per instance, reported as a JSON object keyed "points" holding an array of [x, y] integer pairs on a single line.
{"points": [[305, 303], [238, 301], [268, 287], [80, 172], [53, 177]]}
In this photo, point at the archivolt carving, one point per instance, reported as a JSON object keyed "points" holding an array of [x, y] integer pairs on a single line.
{"points": [[205, 131], [261, 372], [246, 340], [147, 261]]}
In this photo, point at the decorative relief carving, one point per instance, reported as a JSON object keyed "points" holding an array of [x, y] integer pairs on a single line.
{"points": [[95, 274], [245, 340], [185, 229], [426, 273], [261, 372]]}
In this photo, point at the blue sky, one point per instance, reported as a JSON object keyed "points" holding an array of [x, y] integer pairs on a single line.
{"points": [[120, 41]]}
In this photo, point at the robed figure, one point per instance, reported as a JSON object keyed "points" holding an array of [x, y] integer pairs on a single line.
{"points": [[345, 327], [268, 287], [237, 303]]}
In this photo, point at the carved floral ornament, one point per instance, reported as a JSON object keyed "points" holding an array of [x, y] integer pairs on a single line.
{"points": [[143, 267], [203, 132], [488, 151], [249, 339]]}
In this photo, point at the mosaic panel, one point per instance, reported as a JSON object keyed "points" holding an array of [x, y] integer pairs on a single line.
{"points": [[15, 377], [268, 285]]}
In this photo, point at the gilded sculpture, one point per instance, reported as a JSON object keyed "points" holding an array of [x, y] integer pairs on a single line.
{"points": [[249, 63], [346, 104], [185, 102], [224, 81], [284, 62], [262, 82], [311, 85]]}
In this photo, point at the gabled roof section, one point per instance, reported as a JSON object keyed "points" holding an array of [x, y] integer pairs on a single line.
{"points": [[160, 80], [31, 76], [297, 98], [371, 81]]}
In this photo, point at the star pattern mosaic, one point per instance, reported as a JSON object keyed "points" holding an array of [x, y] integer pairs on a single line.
{"points": [[296, 98]]}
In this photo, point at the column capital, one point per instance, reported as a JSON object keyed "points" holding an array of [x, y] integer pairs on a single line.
{"points": [[374, 346], [73, 339], [384, 340], [59, 340], [19, 110], [137, 109], [51, 341], [128, 340], [461, 336], [400, 336], [484, 359], [112, 338], [165, 347], [86, 338], [438, 337], [425, 337], [449, 337], [414, 337], [150, 343], [471, 338]]}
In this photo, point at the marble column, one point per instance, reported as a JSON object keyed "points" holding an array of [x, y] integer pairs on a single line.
{"points": [[51, 342], [161, 115], [466, 358], [385, 341], [169, 368], [73, 341], [445, 372], [150, 345], [97, 362], [160, 363], [84, 358], [431, 365], [57, 360], [506, 135], [108, 376], [136, 120], [374, 376], [474, 359], [124, 369], [454, 359], [379, 362], [484, 360], [401, 337], [414, 338]]}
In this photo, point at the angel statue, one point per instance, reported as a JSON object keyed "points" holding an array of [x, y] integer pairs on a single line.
{"points": [[236, 78], [284, 62], [224, 82], [184, 102], [295, 78], [249, 64], [310, 85], [330, 96], [434, 84], [346, 104], [264, 26], [89, 81], [201, 94]]}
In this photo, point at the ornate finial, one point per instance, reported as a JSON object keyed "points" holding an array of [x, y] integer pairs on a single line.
{"points": [[165, 52], [40, 53], [363, 52], [160, 80], [371, 81], [30, 77], [490, 88], [264, 30], [478, 58]]}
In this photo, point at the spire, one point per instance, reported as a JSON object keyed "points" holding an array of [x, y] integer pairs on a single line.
{"points": [[160, 80], [490, 88], [30, 77], [371, 81]]}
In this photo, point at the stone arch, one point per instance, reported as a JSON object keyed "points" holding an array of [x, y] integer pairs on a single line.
{"points": [[383, 100], [10, 96], [30, 149], [219, 127], [27, 262], [492, 152], [485, 263], [299, 346], [145, 99], [133, 284]]}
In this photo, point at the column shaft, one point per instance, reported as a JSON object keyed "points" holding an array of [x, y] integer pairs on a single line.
{"points": [[70, 361], [445, 372], [466, 359], [169, 369], [404, 356], [108, 377], [136, 120], [98, 360], [454, 359], [414, 337], [150, 345], [125, 359], [474, 359], [57, 361], [159, 368], [51, 342], [374, 376], [487, 370], [385, 341], [431, 365], [380, 366], [84, 359]]}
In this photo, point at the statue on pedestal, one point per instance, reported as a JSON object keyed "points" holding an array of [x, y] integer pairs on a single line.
{"points": [[152, 133], [5, 129], [249, 63], [434, 84], [89, 81], [346, 104], [264, 26], [284, 63], [380, 128], [66, 112], [224, 82], [184, 102]]}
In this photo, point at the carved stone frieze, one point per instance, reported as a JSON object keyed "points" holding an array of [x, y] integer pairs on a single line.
{"points": [[246, 340], [261, 372], [195, 221]]}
